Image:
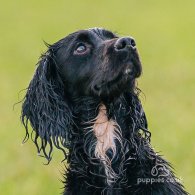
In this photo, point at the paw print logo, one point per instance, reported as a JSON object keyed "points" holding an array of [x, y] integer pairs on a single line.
{"points": [[160, 170]]}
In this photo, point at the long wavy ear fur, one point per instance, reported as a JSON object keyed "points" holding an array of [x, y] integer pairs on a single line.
{"points": [[46, 108], [138, 116]]}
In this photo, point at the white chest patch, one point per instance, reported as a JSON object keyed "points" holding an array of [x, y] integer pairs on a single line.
{"points": [[106, 132]]}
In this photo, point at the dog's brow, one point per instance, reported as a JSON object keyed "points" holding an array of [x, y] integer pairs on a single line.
{"points": [[102, 33], [109, 34], [83, 36]]}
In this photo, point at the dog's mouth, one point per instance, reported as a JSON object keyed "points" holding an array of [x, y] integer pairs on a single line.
{"points": [[126, 73], [129, 70], [116, 83]]}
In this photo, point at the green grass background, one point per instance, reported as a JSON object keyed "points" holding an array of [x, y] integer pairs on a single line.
{"points": [[165, 35]]}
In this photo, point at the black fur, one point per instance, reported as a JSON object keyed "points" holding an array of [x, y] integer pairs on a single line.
{"points": [[77, 74]]}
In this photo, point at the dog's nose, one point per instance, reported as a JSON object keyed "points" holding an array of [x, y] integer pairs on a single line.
{"points": [[123, 43]]}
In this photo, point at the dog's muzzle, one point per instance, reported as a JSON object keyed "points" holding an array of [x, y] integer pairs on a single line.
{"points": [[125, 49]]}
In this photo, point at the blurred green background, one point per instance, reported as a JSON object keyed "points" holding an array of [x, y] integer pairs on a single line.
{"points": [[165, 35]]}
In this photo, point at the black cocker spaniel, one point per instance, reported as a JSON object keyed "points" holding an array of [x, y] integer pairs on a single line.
{"points": [[83, 100]]}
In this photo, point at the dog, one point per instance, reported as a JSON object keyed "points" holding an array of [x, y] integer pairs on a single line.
{"points": [[84, 100]]}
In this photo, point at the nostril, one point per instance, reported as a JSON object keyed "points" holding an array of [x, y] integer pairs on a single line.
{"points": [[132, 41], [121, 44], [124, 42]]}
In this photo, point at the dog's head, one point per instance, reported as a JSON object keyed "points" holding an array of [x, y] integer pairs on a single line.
{"points": [[93, 62], [96, 62]]}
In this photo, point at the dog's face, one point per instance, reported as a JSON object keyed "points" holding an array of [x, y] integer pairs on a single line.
{"points": [[97, 62]]}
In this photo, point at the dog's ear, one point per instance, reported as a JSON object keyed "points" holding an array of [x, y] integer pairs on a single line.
{"points": [[138, 116], [46, 108]]}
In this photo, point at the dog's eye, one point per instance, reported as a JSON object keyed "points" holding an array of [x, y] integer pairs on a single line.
{"points": [[81, 49]]}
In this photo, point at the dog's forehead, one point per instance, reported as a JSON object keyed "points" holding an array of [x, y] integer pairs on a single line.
{"points": [[98, 32], [91, 32], [102, 33]]}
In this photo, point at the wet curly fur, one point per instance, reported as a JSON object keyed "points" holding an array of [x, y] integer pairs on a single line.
{"points": [[84, 101]]}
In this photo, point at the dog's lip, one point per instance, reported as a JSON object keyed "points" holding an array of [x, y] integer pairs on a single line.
{"points": [[116, 79], [125, 74], [128, 70], [110, 82]]}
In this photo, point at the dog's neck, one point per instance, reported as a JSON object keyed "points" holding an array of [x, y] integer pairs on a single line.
{"points": [[106, 142], [103, 130], [103, 114], [123, 116]]}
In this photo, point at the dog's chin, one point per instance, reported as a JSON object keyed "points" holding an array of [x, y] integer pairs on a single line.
{"points": [[115, 86]]}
